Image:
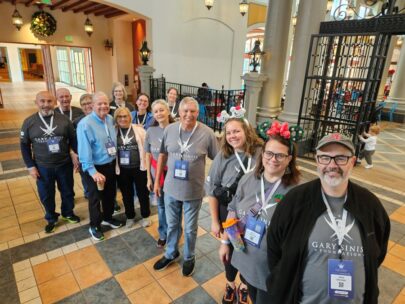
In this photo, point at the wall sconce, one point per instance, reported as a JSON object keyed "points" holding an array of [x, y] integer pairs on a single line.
{"points": [[17, 19], [209, 3], [108, 45], [243, 7], [145, 53], [88, 26], [255, 56]]}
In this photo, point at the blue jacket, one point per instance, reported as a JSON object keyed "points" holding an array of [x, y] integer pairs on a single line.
{"points": [[148, 121]]}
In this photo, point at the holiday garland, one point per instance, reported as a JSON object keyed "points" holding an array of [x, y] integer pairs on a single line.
{"points": [[43, 24]]}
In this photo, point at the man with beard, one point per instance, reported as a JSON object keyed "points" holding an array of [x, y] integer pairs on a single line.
{"points": [[46, 138], [327, 237]]}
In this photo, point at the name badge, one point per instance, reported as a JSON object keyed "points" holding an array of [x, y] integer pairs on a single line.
{"points": [[53, 145], [340, 274], [181, 169], [254, 231], [110, 146], [124, 157]]}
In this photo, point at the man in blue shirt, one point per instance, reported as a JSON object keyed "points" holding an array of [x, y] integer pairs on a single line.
{"points": [[97, 142]]}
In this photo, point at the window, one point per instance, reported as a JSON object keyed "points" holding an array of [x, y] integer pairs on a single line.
{"points": [[63, 65], [78, 68]]}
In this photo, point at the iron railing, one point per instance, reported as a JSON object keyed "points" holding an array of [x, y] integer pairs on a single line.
{"points": [[211, 101]]}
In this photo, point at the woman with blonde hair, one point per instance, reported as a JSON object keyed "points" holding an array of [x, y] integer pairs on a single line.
{"points": [[154, 135], [119, 98], [131, 166]]}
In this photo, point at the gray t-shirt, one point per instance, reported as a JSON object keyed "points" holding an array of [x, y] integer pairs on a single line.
{"points": [[153, 141], [224, 171], [252, 262], [323, 245], [201, 144], [33, 132]]}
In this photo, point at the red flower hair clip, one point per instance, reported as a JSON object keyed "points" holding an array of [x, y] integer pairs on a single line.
{"points": [[277, 129]]}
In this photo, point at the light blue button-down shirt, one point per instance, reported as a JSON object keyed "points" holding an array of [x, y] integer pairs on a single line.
{"points": [[92, 138]]}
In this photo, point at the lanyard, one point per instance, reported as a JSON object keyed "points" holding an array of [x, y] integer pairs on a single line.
{"points": [[247, 169], [49, 130], [265, 201], [125, 139], [70, 113], [172, 112], [184, 146], [143, 121], [106, 128], [338, 227]]}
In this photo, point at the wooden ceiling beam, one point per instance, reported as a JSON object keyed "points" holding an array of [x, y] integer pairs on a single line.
{"points": [[118, 13], [29, 2], [93, 9], [105, 10], [56, 5], [84, 7], [70, 6]]}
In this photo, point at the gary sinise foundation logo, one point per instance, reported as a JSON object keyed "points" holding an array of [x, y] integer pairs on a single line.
{"points": [[340, 232]]}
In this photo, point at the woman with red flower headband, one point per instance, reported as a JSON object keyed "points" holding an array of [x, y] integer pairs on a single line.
{"points": [[253, 206], [240, 147]]}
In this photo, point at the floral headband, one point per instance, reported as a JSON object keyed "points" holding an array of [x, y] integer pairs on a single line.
{"points": [[291, 133], [236, 112]]}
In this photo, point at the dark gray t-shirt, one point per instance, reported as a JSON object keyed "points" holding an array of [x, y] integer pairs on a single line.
{"points": [[252, 263], [76, 112], [33, 133], [323, 245], [131, 147], [153, 142], [201, 144]]}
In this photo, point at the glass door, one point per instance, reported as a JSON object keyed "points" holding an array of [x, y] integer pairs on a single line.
{"points": [[78, 67]]}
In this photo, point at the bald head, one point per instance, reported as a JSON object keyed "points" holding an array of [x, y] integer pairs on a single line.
{"points": [[45, 102], [64, 98]]}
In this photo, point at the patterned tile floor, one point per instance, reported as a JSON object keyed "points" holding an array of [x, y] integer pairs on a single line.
{"points": [[68, 267]]}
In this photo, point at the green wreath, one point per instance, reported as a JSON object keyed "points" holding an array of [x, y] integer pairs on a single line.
{"points": [[43, 24]]}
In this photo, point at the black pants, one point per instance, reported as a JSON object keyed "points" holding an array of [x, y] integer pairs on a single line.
{"points": [[257, 295], [106, 197], [126, 180]]}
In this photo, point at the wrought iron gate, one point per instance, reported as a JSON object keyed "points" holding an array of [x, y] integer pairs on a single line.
{"points": [[344, 69]]}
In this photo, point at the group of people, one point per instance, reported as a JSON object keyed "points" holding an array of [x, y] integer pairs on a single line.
{"points": [[315, 242]]}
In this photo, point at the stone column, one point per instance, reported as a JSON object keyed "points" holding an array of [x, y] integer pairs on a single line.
{"points": [[275, 45], [384, 77], [145, 73], [308, 21], [397, 92], [253, 83]]}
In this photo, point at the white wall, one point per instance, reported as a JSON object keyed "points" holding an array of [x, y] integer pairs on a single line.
{"points": [[13, 57], [192, 45]]}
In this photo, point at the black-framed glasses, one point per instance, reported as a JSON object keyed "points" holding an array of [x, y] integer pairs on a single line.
{"points": [[278, 156], [339, 159]]}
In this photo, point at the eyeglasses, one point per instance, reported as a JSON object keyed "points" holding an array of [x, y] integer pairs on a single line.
{"points": [[86, 103], [339, 159], [122, 116], [278, 156]]}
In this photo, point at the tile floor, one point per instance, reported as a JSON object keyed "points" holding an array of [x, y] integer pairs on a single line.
{"points": [[68, 267]]}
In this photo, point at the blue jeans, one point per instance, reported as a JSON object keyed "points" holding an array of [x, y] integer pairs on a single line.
{"points": [[162, 228], [174, 216], [63, 176]]}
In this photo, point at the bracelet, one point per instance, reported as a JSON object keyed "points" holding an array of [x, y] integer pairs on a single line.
{"points": [[226, 242]]}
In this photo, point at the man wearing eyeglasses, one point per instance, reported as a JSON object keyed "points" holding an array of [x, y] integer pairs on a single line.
{"points": [[328, 237]]}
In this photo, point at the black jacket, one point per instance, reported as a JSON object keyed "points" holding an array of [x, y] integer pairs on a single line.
{"points": [[292, 224]]}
